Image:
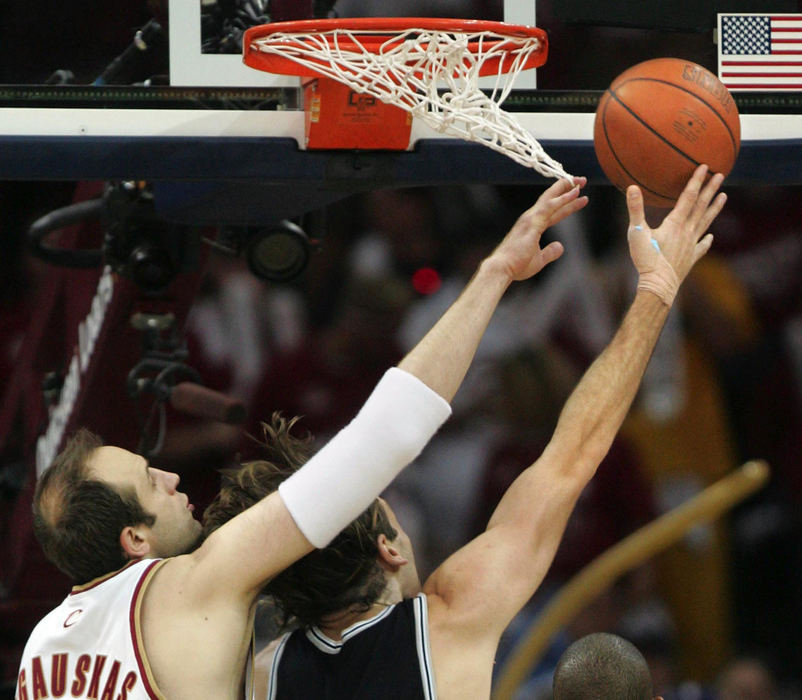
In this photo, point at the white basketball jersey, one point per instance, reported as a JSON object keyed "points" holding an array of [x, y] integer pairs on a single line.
{"points": [[90, 646]]}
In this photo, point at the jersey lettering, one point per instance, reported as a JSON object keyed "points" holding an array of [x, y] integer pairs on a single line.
{"points": [[58, 675], [111, 683], [38, 685], [128, 684], [22, 686], [94, 684], [84, 662], [95, 659]]}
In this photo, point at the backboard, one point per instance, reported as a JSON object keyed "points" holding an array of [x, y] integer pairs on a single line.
{"points": [[190, 65], [209, 119]]}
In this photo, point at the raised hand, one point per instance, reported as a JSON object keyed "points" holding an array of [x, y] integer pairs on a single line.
{"points": [[664, 256], [520, 252]]}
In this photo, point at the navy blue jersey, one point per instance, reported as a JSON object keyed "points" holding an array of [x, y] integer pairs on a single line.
{"points": [[384, 658]]}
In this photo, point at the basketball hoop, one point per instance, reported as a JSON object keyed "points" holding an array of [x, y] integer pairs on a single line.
{"points": [[427, 67]]}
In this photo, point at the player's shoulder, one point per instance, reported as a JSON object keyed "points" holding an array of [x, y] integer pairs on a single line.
{"points": [[455, 625], [170, 571], [461, 656], [189, 582]]}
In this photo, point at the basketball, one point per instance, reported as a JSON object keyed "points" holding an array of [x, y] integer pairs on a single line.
{"points": [[658, 121]]}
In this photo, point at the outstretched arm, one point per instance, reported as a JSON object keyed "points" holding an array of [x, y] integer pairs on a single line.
{"points": [[443, 356], [484, 584], [199, 605], [407, 407]]}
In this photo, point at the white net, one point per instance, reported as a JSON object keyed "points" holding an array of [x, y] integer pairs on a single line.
{"points": [[433, 74]]}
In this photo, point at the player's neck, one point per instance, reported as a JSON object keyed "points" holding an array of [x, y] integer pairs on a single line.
{"points": [[334, 625]]}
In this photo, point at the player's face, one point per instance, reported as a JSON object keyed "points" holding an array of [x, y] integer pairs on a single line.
{"points": [[175, 531], [408, 574]]}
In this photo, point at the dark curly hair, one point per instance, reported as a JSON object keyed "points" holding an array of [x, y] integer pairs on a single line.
{"points": [[343, 575]]}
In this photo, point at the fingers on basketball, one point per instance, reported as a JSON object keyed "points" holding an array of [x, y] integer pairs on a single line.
{"points": [[690, 195], [657, 120]]}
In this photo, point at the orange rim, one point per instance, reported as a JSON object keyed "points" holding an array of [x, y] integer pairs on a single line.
{"points": [[377, 32]]}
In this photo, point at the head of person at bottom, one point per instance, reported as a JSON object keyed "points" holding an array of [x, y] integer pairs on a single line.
{"points": [[97, 507], [602, 666], [369, 564]]}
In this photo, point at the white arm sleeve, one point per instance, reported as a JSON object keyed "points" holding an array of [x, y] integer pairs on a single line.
{"points": [[349, 472]]}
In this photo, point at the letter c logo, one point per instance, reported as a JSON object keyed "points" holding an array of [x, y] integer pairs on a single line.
{"points": [[72, 618]]}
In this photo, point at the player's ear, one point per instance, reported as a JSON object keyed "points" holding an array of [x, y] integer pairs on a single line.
{"points": [[390, 556], [134, 542]]}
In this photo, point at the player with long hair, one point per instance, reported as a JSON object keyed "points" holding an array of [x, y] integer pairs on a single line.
{"points": [[366, 626]]}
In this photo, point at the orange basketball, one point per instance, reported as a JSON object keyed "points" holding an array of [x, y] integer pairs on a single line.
{"points": [[659, 120]]}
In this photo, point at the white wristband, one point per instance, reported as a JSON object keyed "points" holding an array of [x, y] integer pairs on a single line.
{"points": [[348, 473]]}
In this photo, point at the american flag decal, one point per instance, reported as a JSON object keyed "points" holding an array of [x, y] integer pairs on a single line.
{"points": [[760, 52]]}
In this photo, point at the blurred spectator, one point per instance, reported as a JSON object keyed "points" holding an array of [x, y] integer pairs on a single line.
{"points": [[329, 376], [231, 331], [758, 238], [746, 678], [618, 500]]}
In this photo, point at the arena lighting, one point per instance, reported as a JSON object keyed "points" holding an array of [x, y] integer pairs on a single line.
{"points": [[426, 280], [277, 253]]}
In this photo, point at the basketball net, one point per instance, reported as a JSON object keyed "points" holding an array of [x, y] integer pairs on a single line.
{"points": [[433, 75]]}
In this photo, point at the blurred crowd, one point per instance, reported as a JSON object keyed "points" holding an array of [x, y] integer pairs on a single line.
{"points": [[724, 386], [717, 614]]}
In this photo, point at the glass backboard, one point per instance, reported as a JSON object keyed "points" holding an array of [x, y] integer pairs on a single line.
{"points": [[106, 108], [193, 65]]}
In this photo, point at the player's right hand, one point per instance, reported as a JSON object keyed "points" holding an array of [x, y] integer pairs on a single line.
{"points": [[519, 252], [664, 256], [682, 238]]}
